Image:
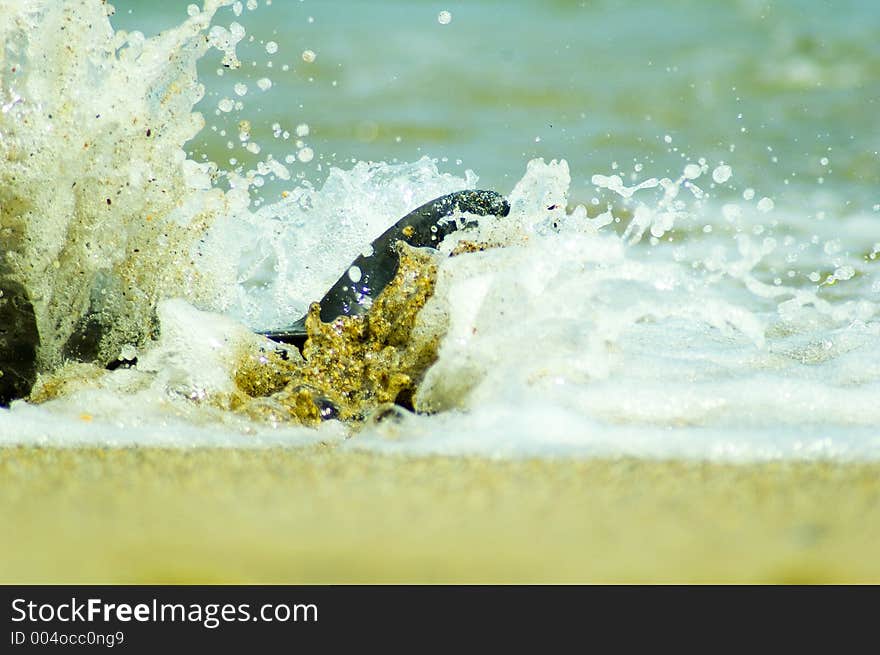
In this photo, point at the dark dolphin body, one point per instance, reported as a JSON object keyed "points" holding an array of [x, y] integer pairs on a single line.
{"points": [[425, 226]]}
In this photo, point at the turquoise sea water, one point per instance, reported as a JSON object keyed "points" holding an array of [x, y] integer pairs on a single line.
{"points": [[772, 87]]}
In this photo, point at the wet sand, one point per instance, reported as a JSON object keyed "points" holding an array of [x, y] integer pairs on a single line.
{"points": [[330, 515]]}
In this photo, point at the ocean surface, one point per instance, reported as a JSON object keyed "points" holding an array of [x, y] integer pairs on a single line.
{"points": [[690, 267]]}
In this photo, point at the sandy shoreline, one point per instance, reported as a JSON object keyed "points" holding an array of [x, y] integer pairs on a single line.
{"points": [[321, 515]]}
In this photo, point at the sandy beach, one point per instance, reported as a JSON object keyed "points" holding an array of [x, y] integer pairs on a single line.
{"points": [[332, 515]]}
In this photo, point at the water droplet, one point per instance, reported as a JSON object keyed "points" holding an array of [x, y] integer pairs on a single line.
{"points": [[844, 273], [832, 247], [692, 171], [444, 17], [271, 47], [722, 173]]}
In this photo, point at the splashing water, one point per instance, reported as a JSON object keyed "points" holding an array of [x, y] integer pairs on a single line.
{"points": [[660, 319], [100, 206]]}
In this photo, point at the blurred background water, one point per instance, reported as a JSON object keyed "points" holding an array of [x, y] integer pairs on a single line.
{"points": [[786, 91]]}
